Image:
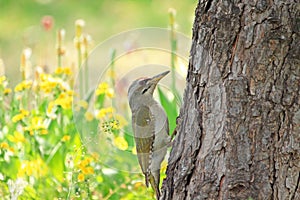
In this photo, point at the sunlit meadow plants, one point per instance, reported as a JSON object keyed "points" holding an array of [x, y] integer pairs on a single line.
{"points": [[42, 155]]}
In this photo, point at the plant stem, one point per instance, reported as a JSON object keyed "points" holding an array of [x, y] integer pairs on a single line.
{"points": [[112, 71], [81, 86]]}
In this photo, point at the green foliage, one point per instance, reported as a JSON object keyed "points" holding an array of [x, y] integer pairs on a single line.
{"points": [[43, 153], [171, 107]]}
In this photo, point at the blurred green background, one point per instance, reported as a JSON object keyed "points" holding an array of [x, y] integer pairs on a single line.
{"points": [[20, 24]]}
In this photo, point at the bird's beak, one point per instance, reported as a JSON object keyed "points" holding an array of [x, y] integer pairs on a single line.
{"points": [[155, 79]]}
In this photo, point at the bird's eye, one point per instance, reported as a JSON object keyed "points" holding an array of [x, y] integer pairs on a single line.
{"points": [[145, 90]]}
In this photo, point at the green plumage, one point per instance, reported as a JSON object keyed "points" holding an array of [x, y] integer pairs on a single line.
{"points": [[143, 127], [150, 127]]}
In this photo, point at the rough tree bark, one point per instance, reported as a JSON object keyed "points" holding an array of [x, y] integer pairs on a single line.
{"points": [[238, 133]]}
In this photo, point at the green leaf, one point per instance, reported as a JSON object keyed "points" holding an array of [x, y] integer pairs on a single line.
{"points": [[100, 101], [56, 165], [10, 168], [170, 108]]}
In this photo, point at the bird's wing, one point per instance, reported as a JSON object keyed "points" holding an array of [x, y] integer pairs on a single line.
{"points": [[144, 132], [161, 125]]}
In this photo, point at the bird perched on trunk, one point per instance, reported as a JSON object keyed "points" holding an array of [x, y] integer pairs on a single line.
{"points": [[150, 127]]}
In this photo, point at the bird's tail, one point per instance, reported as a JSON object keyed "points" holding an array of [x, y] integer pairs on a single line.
{"points": [[154, 181]]}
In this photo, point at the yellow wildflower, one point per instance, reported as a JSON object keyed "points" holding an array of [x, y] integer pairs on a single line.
{"points": [[138, 185], [11, 149], [71, 93], [122, 121], [7, 91], [64, 100], [89, 116], [110, 93], [87, 170], [36, 124], [63, 70], [17, 137], [59, 70], [85, 162], [66, 138], [18, 117], [95, 156], [2, 79], [4, 145], [26, 84], [36, 168], [24, 112], [80, 177], [120, 143], [67, 70], [114, 125], [103, 112], [111, 74], [83, 104], [29, 129], [51, 110], [44, 131], [103, 88]]}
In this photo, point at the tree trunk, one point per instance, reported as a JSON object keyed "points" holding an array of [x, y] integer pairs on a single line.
{"points": [[238, 133]]}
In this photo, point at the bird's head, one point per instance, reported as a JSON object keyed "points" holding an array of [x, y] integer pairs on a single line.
{"points": [[143, 88]]}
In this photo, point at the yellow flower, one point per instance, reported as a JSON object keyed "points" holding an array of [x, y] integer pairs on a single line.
{"points": [[29, 129], [67, 70], [26, 84], [83, 104], [36, 168], [7, 91], [85, 162], [110, 93], [4, 145], [89, 116], [63, 70], [24, 112], [18, 117], [36, 124], [87, 170], [17, 137], [80, 177], [111, 74], [44, 131], [114, 125], [103, 112], [138, 185], [2, 79], [64, 100], [48, 83], [51, 110], [120, 143], [66, 138], [103, 88], [59, 70], [122, 121]]}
